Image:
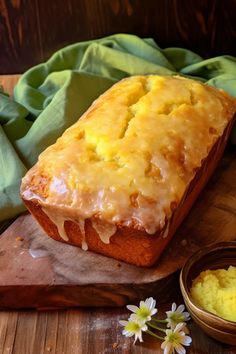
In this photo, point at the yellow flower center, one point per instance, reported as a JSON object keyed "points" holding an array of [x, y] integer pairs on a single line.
{"points": [[143, 312], [132, 327], [177, 317], [174, 338]]}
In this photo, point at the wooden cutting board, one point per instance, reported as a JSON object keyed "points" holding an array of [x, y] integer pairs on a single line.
{"points": [[38, 272]]}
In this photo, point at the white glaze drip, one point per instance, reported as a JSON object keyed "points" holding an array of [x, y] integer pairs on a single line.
{"points": [[81, 223], [105, 231], [59, 221], [84, 245]]}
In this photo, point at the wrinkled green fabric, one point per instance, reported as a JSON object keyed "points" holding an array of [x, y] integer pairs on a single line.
{"points": [[51, 96]]}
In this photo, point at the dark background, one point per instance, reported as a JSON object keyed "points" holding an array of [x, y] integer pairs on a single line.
{"points": [[31, 30]]}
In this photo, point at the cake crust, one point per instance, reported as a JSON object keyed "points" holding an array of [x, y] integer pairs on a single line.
{"points": [[121, 180]]}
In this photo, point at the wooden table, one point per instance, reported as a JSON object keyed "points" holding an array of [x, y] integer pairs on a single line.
{"points": [[84, 331]]}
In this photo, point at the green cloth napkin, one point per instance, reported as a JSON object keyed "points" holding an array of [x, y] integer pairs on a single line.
{"points": [[51, 96]]}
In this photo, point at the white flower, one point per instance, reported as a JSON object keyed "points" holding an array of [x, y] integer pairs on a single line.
{"points": [[176, 315], [133, 327], [145, 310], [175, 339]]}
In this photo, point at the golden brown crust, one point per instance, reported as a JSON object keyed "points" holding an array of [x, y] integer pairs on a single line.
{"points": [[127, 244], [139, 180]]}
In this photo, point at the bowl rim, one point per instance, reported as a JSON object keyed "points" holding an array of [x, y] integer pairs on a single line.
{"points": [[196, 256], [215, 332]]}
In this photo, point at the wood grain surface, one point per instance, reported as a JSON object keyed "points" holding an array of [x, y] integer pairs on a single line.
{"points": [[30, 31], [85, 331], [96, 331]]}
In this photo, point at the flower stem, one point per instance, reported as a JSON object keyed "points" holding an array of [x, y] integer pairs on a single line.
{"points": [[153, 326], [154, 335], [160, 321]]}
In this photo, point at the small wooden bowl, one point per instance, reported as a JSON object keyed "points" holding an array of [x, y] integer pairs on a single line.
{"points": [[218, 256]]}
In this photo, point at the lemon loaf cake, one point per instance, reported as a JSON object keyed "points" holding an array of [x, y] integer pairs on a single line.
{"points": [[121, 179]]}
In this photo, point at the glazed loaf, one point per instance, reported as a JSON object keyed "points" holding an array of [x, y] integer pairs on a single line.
{"points": [[123, 177]]}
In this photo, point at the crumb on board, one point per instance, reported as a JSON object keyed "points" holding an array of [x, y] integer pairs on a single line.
{"points": [[49, 349], [114, 345], [19, 238]]}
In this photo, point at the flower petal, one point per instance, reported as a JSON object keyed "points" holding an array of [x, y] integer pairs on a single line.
{"points": [[132, 308], [153, 302], [144, 327], [173, 307], [147, 302], [142, 304], [163, 344], [123, 323], [127, 333], [180, 349], [168, 332], [180, 309], [138, 336], [153, 312], [187, 316], [168, 348], [186, 340], [179, 327]]}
